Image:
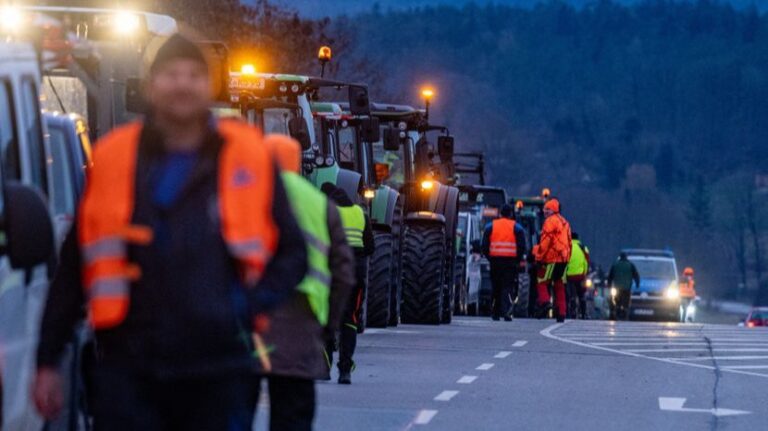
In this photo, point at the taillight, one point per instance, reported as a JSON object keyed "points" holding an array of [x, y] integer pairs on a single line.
{"points": [[751, 324]]}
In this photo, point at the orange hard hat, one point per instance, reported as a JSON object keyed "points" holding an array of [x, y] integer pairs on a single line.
{"points": [[287, 151], [552, 205], [688, 271]]}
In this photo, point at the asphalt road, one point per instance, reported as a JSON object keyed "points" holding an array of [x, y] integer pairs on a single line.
{"points": [[537, 375]]}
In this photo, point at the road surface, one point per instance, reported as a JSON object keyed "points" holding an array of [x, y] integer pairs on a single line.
{"points": [[537, 375]]}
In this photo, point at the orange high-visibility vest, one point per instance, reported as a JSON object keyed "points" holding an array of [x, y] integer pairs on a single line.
{"points": [[503, 241], [687, 289], [245, 193]]}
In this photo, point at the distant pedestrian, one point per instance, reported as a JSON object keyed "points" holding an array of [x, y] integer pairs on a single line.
{"points": [[620, 278], [576, 274], [687, 293], [553, 254], [360, 238], [185, 236], [296, 334], [504, 245]]}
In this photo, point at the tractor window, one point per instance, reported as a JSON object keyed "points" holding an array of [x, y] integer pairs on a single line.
{"points": [[34, 130], [276, 121], [347, 147], [393, 160], [9, 141]]}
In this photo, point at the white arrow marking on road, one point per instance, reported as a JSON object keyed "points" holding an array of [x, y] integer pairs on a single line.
{"points": [[424, 417], [502, 355], [519, 343], [484, 367], [676, 405], [465, 380], [446, 395]]}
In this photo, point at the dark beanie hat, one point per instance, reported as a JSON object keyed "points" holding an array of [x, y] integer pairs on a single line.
{"points": [[175, 48], [506, 210]]}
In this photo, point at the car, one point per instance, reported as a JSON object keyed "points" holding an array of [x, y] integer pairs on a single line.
{"points": [[658, 296], [757, 317], [26, 228]]}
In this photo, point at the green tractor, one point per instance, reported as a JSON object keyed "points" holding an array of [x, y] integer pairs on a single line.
{"points": [[530, 214], [426, 241]]}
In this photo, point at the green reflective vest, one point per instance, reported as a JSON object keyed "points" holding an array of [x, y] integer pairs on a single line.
{"points": [[353, 219], [310, 208], [578, 264]]}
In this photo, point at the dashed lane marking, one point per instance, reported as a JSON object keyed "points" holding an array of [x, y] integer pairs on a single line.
{"points": [[424, 417], [519, 343], [446, 395], [465, 380], [484, 367], [502, 355]]}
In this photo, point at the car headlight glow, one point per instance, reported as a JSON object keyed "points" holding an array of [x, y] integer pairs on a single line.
{"points": [[588, 282], [614, 292], [673, 292], [369, 193]]}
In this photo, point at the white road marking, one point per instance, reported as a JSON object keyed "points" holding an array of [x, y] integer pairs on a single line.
{"points": [[676, 405], [685, 343], [484, 367], [519, 343], [424, 417], [694, 350], [723, 358], [465, 380], [390, 331], [502, 355], [446, 395], [747, 367], [547, 332]]}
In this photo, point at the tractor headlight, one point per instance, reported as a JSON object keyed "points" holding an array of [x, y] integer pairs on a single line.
{"points": [[614, 292], [673, 292], [427, 185], [10, 19], [369, 193], [588, 283]]}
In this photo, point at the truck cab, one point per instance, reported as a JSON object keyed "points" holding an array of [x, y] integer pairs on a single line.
{"points": [[658, 296]]}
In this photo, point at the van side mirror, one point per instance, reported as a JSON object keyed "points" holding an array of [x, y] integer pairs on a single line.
{"points": [[370, 130], [299, 131], [445, 148], [134, 99], [391, 139], [28, 227], [359, 102]]}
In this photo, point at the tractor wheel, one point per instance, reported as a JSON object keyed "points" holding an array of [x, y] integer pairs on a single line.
{"points": [[523, 295], [423, 273], [380, 281], [396, 295]]}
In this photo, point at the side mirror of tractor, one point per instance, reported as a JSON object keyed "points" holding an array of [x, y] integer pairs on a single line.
{"points": [[391, 139], [370, 130], [445, 148], [359, 102], [299, 131], [28, 227]]}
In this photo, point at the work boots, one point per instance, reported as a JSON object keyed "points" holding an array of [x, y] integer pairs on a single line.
{"points": [[345, 377]]}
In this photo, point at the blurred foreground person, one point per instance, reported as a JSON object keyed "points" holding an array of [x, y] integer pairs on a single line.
{"points": [[620, 278], [184, 237], [553, 254], [298, 327], [504, 245], [360, 238]]}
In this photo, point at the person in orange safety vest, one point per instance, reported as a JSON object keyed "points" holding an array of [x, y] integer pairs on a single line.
{"points": [[687, 292], [184, 238], [552, 256], [505, 247]]}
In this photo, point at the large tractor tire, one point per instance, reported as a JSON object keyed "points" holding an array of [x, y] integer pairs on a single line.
{"points": [[423, 273], [523, 295], [380, 281]]}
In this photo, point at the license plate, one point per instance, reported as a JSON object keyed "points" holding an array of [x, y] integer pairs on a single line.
{"points": [[246, 83], [644, 311]]}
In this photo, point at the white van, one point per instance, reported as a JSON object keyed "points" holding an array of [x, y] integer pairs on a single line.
{"points": [[26, 230]]}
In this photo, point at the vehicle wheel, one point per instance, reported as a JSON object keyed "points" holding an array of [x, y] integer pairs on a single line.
{"points": [[423, 273], [523, 295], [460, 307], [380, 281], [396, 294]]}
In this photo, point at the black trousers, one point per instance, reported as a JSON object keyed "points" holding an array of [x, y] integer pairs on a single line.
{"points": [[575, 291], [350, 321], [504, 284], [621, 304], [126, 401], [291, 403]]}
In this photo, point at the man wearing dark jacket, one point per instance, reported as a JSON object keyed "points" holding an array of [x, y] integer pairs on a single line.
{"points": [[185, 236], [360, 237], [505, 246], [620, 278], [296, 337]]}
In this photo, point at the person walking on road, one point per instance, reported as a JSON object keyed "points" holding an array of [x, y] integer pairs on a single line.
{"points": [[687, 293], [552, 255], [620, 277], [360, 237], [184, 237], [504, 245], [296, 334], [576, 274]]}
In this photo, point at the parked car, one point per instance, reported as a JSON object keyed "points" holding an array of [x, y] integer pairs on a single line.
{"points": [[757, 317]]}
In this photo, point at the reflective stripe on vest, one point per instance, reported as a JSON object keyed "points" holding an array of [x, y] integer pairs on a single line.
{"points": [[503, 240], [245, 186], [310, 206], [353, 219]]}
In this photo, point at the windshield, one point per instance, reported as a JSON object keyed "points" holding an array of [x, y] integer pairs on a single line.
{"points": [[394, 162], [275, 120], [655, 268]]}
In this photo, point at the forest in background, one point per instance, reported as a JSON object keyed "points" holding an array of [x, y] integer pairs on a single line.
{"points": [[648, 121]]}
